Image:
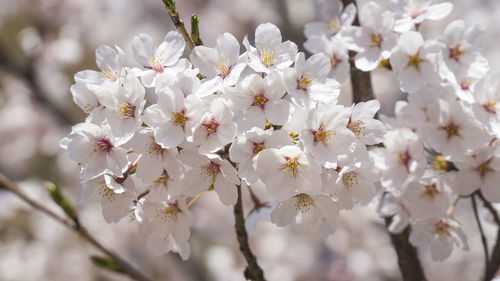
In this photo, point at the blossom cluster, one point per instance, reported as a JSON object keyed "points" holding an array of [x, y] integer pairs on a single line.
{"points": [[172, 128], [441, 145]]}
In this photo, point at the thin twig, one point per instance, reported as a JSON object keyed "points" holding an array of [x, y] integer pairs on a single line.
{"points": [[178, 23], [483, 237], [78, 228], [494, 262], [252, 271], [361, 82]]}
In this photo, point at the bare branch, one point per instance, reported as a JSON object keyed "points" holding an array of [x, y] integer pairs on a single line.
{"points": [[179, 24], [78, 228], [483, 237], [253, 271], [494, 262], [408, 260]]}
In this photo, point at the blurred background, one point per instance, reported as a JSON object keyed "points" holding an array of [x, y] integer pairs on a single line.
{"points": [[43, 43]]}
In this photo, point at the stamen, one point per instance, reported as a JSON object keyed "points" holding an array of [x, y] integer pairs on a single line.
{"points": [[267, 56], [356, 127], [304, 203], [258, 147], [375, 39], [490, 107], [106, 193], [306, 80], [156, 65], [179, 118], [211, 170], [291, 165], [414, 61], [167, 213], [349, 179], [456, 53], [125, 110], [430, 191], [259, 99], [210, 126], [156, 150], [223, 67], [322, 134], [451, 130], [441, 228], [405, 158], [103, 145]]}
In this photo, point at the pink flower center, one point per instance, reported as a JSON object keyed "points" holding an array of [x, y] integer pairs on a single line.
{"points": [[210, 126], [103, 145]]}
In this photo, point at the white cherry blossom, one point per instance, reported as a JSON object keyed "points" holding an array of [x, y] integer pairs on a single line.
{"points": [[440, 235], [334, 17], [155, 61], [216, 128], [307, 214], [413, 12], [174, 116], [247, 147], [167, 226], [415, 62], [269, 51], [307, 82], [480, 170], [374, 39], [288, 171], [259, 100], [123, 104], [110, 62], [333, 48], [210, 171], [96, 149], [221, 65]]}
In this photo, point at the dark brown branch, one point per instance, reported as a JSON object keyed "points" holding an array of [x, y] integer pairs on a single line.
{"points": [[360, 81], [408, 260], [123, 265], [494, 262], [252, 271], [483, 237]]}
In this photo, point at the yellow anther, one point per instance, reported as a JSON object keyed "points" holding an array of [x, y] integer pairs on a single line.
{"points": [[304, 203], [322, 134], [291, 165], [307, 79], [179, 118], [357, 127], [430, 191], [349, 179], [125, 110], [451, 130]]}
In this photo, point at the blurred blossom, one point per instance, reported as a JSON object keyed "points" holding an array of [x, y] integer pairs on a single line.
{"points": [[53, 39]]}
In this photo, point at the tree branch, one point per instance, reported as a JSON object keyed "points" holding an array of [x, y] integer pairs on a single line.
{"points": [[494, 262], [408, 260], [252, 271], [178, 23], [483, 237], [360, 81], [71, 224]]}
